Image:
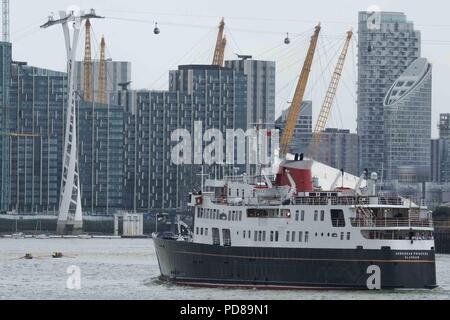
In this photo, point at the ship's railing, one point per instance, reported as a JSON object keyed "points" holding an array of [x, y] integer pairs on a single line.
{"points": [[348, 201], [391, 223], [395, 201], [318, 201], [312, 201]]}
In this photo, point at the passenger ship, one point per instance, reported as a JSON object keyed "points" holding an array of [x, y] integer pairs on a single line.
{"points": [[287, 232]]}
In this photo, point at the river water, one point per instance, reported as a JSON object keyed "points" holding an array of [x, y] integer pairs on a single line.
{"points": [[128, 269]]}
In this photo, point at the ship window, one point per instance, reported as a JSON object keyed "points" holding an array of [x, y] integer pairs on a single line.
{"points": [[201, 231], [300, 236], [337, 218], [260, 236], [342, 236], [306, 236], [216, 236], [288, 235], [243, 234], [264, 236], [293, 236], [267, 213], [297, 215], [348, 235], [322, 215], [240, 215], [196, 230], [237, 192], [229, 192], [303, 215], [226, 234], [271, 236], [249, 234], [255, 237], [229, 215], [206, 231], [276, 236], [316, 215], [243, 193]]}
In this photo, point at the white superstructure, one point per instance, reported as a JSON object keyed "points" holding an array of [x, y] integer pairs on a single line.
{"points": [[261, 212]]}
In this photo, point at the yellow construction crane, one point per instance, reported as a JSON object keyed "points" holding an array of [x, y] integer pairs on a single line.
{"points": [[88, 92], [20, 135], [219, 51], [329, 98], [222, 51], [102, 74], [295, 108]]}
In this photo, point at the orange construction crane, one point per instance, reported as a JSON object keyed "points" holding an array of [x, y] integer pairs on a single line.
{"points": [[88, 92], [102, 74], [329, 98], [219, 52], [296, 105]]}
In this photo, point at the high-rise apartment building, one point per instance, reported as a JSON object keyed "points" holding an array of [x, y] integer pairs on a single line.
{"points": [[444, 126], [303, 129], [339, 149], [5, 76], [407, 124], [34, 101], [101, 153], [117, 72], [440, 151], [260, 89], [387, 45], [36, 109], [213, 96]]}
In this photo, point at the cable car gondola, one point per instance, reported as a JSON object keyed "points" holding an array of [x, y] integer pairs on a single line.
{"points": [[287, 40], [156, 30]]}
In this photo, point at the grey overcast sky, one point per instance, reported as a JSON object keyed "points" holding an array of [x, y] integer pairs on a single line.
{"points": [[188, 33]]}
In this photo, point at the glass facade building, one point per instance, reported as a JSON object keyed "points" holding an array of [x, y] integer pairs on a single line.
{"points": [[440, 152], [101, 163], [407, 124], [213, 96], [33, 105], [339, 149], [386, 48], [303, 129], [117, 72], [125, 150], [5, 70], [260, 89], [36, 108]]}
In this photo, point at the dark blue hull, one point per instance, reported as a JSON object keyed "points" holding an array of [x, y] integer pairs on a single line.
{"points": [[208, 265]]}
